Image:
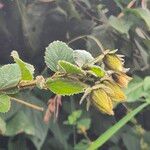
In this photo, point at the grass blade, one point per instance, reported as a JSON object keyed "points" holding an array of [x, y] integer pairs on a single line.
{"points": [[111, 131]]}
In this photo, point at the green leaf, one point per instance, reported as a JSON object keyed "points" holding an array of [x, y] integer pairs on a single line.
{"points": [[56, 51], [2, 126], [5, 103], [120, 24], [111, 131], [114, 148], [97, 71], [85, 122], [146, 136], [82, 145], [142, 13], [144, 54], [18, 124], [27, 70], [73, 117], [147, 83], [64, 87], [82, 57], [60, 137], [131, 141], [13, 110], [70, 68], [148, 99], [10, 76], [135, 89], [36, 119], [28, 121]]}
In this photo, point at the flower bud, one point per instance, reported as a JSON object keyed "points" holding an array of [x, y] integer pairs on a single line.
{"points": [[118, 95], [121, 78], [102, 101], [113, 62]]}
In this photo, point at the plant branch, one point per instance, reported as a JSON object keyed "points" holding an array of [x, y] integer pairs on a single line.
{"points": [[86, 136], [90, 37], [27, 84], [33, 106], [21, 85]]}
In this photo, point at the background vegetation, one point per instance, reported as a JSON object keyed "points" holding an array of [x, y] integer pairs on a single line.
{"points": [[28, 26]]}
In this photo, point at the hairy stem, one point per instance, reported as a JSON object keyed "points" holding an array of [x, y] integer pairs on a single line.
{"points": [[27, 84], [33, 106]]}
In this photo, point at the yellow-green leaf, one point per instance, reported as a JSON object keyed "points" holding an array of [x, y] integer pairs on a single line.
{"points": [[70, 68], [27, 70], [64, 87], [97, 70]]}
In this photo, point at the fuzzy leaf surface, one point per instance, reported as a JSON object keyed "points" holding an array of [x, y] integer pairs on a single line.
{"points": [[82, 57], [56, 51], [10, 76]]}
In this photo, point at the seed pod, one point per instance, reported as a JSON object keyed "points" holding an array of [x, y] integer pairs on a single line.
{"points": [[118, 95], [113, 62], [102, 101], [121, 78]]}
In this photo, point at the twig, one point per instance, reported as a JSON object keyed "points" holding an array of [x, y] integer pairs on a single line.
{"points": [[90, 37], [27, 84], [27, 104], [21, 85], [85, 135]]}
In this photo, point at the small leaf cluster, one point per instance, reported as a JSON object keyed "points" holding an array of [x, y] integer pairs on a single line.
{"points": [[101, 79], [82, 123], [10, 77], [76, 71]]}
